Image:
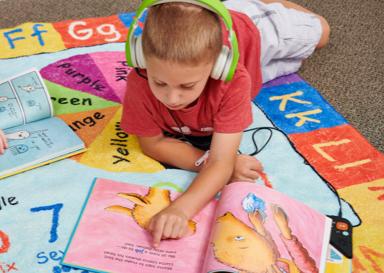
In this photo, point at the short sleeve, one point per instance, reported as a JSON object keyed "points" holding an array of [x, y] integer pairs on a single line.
{"points": [[139, 113], [248, 37], [235, 112]]}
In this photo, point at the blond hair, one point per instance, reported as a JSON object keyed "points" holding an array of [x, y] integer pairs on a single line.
{"points": [[182, 33]]}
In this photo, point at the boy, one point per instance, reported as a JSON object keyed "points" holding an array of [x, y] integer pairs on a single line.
{"points": [[176, 96]]}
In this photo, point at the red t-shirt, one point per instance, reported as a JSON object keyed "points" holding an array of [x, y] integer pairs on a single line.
{"points": [[222, 107], [248, 38]]}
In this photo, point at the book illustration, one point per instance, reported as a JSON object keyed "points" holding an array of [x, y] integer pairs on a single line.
{"points": [[93, 248], [10, 112], [29, 88], [18, 149], [29, 138], [35, 137], [146, 206], [259, 230], [23, 99], [18, 135], [37, 142], [33, 96], [231, 234], [252, 249], [21, 149]]}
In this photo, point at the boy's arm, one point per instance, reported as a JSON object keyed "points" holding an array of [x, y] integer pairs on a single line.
{"points": [[171, 151], [171, 222], [3, 142], [213, 175]]}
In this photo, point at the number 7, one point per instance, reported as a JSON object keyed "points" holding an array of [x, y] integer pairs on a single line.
{"points": [[55, 219]]}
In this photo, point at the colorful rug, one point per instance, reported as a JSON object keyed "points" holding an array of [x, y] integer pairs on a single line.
{"points": [[308, 150]]}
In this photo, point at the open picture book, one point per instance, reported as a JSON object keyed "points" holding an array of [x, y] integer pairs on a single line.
{"points": [[246, 228], [35, 137]]}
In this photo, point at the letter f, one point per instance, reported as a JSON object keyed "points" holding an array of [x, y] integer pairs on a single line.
{"points": [[37, 32], [11, 40]]}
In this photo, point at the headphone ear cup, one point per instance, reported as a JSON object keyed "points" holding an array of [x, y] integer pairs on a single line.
{"points": [[220, 64], [131, 45], [140, 61], [227, 67]]}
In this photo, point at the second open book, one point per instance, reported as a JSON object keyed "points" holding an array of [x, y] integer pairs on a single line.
{"points": [[250, 228], [35, 137]]}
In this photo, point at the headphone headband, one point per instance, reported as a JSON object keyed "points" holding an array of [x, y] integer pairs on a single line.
{"points": [[212, 5]]}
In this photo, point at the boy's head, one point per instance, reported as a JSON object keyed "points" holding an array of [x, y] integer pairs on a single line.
{"points": [[182, 33], [180, 42]]}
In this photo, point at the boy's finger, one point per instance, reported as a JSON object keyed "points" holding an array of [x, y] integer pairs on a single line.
{"points": [[247, 177], [150, 225], [253, 175], [257, 166], [158, 231], [168, 228], [183, 230], [176, 230], [181, 233]]}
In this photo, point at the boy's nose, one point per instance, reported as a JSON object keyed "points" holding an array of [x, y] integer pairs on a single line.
{"points": [[173, 98]]}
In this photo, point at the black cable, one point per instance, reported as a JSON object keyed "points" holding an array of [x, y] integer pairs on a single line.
{"points": [[182, 137], [258, 150]]}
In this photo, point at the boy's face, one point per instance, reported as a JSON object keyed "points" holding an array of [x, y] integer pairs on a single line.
{"points": [[176, 85]]}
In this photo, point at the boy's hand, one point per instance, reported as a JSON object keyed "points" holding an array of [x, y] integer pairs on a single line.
{"points": [[247, 168], [170, 223], [3, 142]]}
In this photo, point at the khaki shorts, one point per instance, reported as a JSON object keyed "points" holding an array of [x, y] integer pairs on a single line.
{"points": [[288, 36]]}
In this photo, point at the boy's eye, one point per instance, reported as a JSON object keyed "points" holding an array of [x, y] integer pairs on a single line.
{"points": [[160, 84], [187, 87]]}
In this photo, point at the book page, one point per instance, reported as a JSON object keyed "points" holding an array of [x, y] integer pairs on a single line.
{"points": [[258, 229], [37, 142], [111, 233], [24, 99]]}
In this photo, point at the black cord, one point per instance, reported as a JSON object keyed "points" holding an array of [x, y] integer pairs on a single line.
{"points": [[258, 150], [182, 137]]}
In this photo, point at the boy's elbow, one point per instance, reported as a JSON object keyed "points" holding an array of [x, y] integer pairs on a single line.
{"points": [[148, 146], [326, 31], [146, 149]]}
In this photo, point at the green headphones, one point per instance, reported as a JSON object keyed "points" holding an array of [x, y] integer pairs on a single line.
{"points": [[225, 65]]}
